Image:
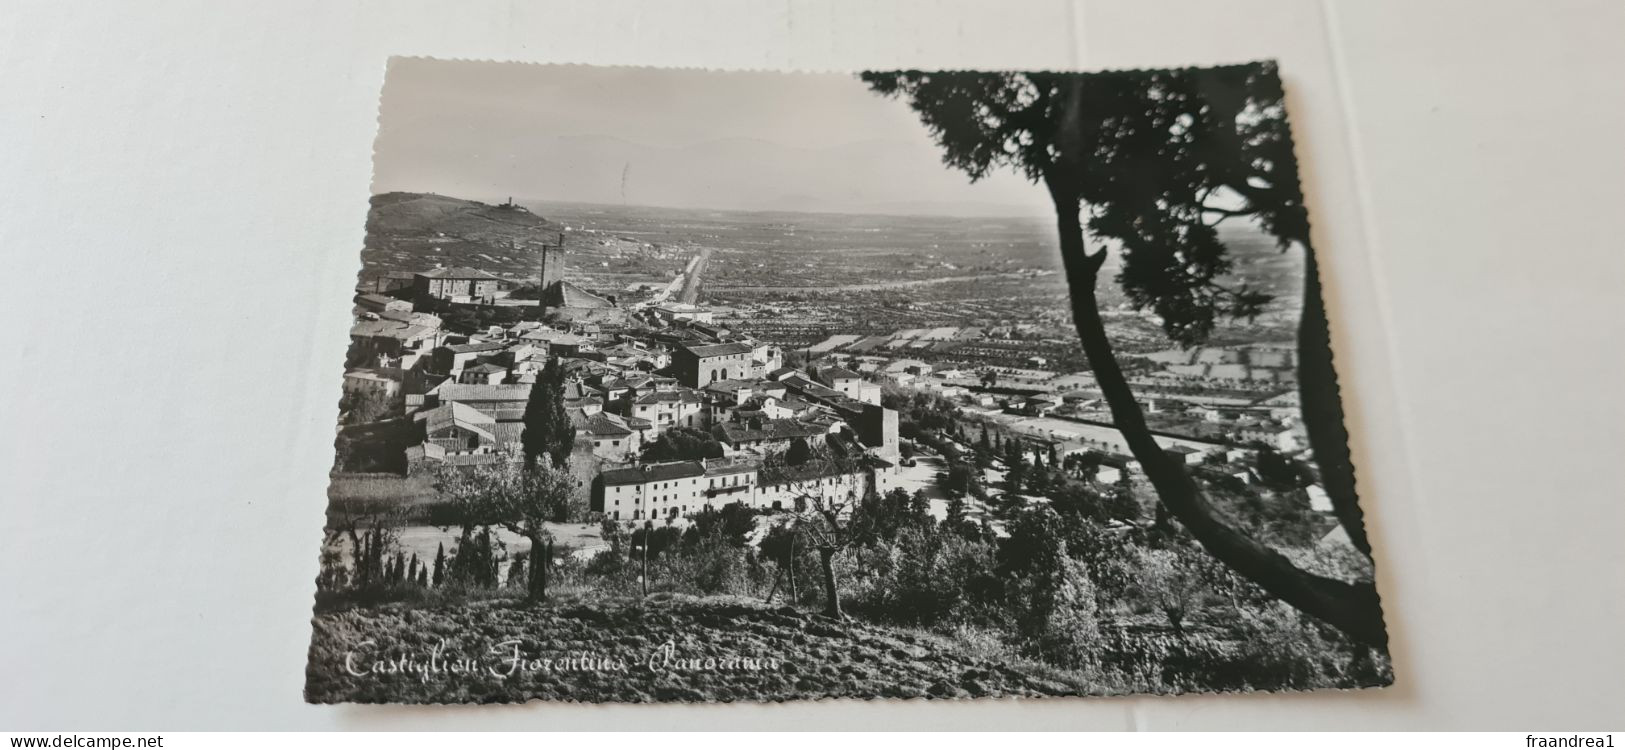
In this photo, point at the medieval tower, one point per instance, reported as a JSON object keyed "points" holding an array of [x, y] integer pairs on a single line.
{"points": [[553, 263], [551, 270]]}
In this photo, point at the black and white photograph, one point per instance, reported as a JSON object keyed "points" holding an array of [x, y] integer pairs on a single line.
{"points": [[690, 386], [402, 374]]}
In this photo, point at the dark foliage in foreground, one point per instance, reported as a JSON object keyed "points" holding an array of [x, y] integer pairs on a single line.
{"points": [[1155, 161], [1066, 600]]}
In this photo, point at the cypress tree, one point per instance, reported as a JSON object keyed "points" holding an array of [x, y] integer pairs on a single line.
{"points": [[474, 560], [956, 517], [1016, 476], [487, 561], [375, 559], [516, 570], [362, 552], [440, 565], [379, 574], [548, 430]]}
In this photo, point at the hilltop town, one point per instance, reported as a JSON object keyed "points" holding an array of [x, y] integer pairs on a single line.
{"points": [[682, 405]]}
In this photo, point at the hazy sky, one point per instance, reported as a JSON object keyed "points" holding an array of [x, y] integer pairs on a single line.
{"points": [[686, 138]]}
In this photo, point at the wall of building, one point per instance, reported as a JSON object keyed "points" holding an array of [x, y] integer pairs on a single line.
{"points": [[663, 415], [687, 496], [877, 428], [696, 372], [655, 500], [842, 489]]}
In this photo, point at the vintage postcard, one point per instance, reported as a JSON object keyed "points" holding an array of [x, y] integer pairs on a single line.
{"points": [[686, 385]]}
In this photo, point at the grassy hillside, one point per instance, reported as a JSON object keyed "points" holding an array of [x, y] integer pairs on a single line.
{"points": [[816, 657], [416, 214], [409, 232], [413, 231]]}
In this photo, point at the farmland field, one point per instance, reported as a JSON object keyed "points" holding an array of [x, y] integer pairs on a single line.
{"points": [[721, 649]]}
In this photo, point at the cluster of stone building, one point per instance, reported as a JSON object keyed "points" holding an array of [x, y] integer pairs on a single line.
{"points": [[650, 368], [466, 394], [679, 488]]}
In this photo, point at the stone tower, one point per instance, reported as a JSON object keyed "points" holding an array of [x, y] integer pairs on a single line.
{"points": [[552, 270]]}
